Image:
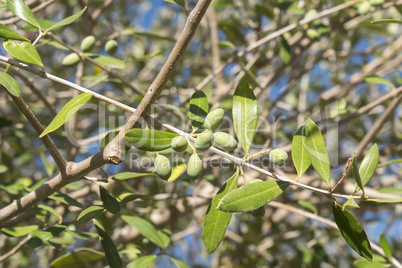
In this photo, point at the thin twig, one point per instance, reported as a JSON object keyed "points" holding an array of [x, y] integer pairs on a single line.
{"points": [[343, 175], [15, 249]]}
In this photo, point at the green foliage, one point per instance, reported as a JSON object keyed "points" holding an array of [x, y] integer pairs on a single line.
{"points": [[67, 112], [19, 231], [131, 175], [368, 166], [112, 255], [89, 214], [81, 257], [66, 21], [385, 246], [21, 10], [10, 84], [24, 52], [109, 202], [149, 139], [142, 262], [7, 33], [198, 109], [245, 113], [300, 155]]}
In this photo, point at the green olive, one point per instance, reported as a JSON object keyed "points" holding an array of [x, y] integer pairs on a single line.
{"points": [[224, 141], [179, 143], [278, 157], [111, 47], [214, 119], [194, 167], [163, 167], [204, 141], [71, 60], [88, 43]]}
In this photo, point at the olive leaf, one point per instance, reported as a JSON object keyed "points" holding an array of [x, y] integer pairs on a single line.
{"points": [[252, 196], [89, 214], [385, 246], [66, 21], [19, 231], [375, 79], [216, 221], [352, 231], [142, 262], [356, 174], [245, 113], [368, 166], [300, 156], [7, 33], [24, 51], [22, 11], [10, 84], [67, 112], [198, 109], [150, 139], [317, 151], [107, 61], [110, 203], [80, 257], [112, 255]]}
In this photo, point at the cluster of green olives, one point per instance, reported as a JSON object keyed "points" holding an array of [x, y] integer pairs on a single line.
{"points": [[203, 142], [87, 44]]}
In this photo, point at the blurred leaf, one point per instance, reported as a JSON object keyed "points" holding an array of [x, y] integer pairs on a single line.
{"points": [[109, 202], [284, 50], [41, 236], [44, 25], [89, 214], [65, 199], [50, 210], [179, 263], [356, 174], [10, 84], [112, 255], [395, 161], [3, 169], [317, 151], [215, 221], [145, 228], [386, 21], [308, 205], [107, 61], [198, 109], [165, 236], [22, 11], [386, 247], [149, 139], [132, 175], [176, 172], [142, 262], [127, 197], [300, 155], [82, 235], [24, 51], [252, 196], [245, 113], [375, 79], [67, 20], [150, 56], [7, 33], [390, 190], [384, 200], [19, 231], [81, 257], [368, 165], [67, 112], [352, 231]]}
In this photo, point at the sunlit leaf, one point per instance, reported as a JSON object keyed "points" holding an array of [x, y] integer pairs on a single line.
{"points": [[67, 112], [350, 203], [252, 196], [10, 84], [176, 172], [132, 175], [142, 262], [127, 197], [107, 61], [300, 155], [65, 199], [375, 79], [109, 202], [317, 151], [198, 109], [81, 257], [67, 20], [24, 51], [22, 11], [216, 221], [89, 214], [352, 231], [179, 263], [19, 231], [145, 228], [7, 33], [384, 200], [149, 139], [385, 246], [112, 255], [245, 113], [50, 210], [284, 50], [356, 174]]}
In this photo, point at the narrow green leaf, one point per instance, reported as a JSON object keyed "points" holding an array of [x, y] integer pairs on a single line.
{"points": [[145, 228], [82, 235], [43, 23], [10, 84], [395, 161], [112, 255], [300, 155], [22, 11], [386, 21], [50, 210], [384, 200], [356, 174], [308, 205], [166, 236], [19, 231], [81, 257], [142, 262], [132, 175], [67, 112], [110, 203], [350, 203], [385, 246], [7, 33], [284, 50], [24, 51], [390, 190], [67, 20], [127, 197], [352, 231], [216, 221], [39, 236], [198, 109], [252, 196], [176, 172], [149, 139], [89, 214], [65, 199], [368, 165], [245, 113], [317, 151], [107, 61], [375, 79], [179, 263]]}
